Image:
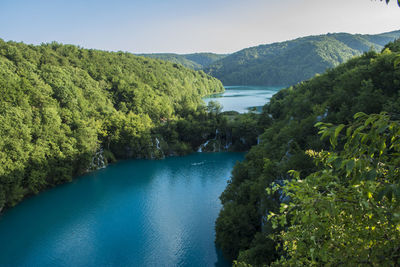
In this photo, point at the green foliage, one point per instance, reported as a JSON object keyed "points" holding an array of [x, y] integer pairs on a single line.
{"points": [[369, 83], [293, 61], [196, 61], [348, 212], [61, 105], [204, 59]]}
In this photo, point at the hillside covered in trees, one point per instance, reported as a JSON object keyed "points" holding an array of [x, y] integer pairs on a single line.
{"points": [[330, 201], [196, 61], [289, 62], [65, 110]]}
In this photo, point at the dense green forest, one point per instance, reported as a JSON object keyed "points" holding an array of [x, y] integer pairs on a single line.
{"points": [[290, 62], [332, 200], [196, 61], [65, 110]]}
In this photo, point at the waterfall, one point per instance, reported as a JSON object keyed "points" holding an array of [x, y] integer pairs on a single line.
{"points": [[227, 145], [158, 144], [157, 151], [203, 146], [98, 160]]}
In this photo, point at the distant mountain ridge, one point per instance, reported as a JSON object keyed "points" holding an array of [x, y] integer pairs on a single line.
{"points": [[281, 63], [194, 61], [289, 62]]}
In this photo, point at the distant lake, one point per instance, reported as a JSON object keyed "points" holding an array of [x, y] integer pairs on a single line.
{"points": [[133, 213], [241, 98]]}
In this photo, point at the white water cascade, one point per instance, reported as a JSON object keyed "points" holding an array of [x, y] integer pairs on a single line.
{"points": [[202, 146], [98, 161], [158, 144], [227, 145]]}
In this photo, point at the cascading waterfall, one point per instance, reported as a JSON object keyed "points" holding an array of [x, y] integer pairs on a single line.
{"points": [[98, 160], [202, 146], [158, 144], [227, 145], [158, 153], [228, 140]]}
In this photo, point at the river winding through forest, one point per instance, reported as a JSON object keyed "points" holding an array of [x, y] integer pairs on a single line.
{"points": [[133, 213]]}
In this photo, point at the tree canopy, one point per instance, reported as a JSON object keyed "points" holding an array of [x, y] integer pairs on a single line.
{"points": [[63, 108], [196, 61], [290, 62], [347, 212], [245, 230]]}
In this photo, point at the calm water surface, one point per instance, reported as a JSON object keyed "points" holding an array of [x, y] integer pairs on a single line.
{"points": [[133, 213], [241, 98]]}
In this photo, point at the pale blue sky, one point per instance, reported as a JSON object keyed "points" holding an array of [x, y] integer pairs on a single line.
{"points": [[184, 26]]}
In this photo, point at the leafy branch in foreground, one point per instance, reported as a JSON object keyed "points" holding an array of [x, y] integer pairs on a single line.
{"points": [[348, 212]]}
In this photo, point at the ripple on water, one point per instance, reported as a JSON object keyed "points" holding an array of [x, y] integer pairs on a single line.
{"points": [[242, 98], [133, 213]]}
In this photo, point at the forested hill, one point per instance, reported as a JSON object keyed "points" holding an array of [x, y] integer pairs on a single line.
{"points": [[64, 110], [345, 209], [289, 62], [194, 61]]}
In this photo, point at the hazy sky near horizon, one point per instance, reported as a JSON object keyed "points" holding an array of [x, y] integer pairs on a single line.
{"points": [[185, 26]]}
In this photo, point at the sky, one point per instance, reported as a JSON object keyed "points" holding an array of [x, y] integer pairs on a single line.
{"points": [[187, 26]]}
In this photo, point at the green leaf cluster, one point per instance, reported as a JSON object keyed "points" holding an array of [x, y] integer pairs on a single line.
{"points": [[61, 105], [347, 212], [369, 84]]}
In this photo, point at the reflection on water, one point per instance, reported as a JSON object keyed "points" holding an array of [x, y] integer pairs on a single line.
{"points": [[242, 98]]}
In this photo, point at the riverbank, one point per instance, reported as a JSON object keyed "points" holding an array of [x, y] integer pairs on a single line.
{"points": [[213, 131], [62, 105]]}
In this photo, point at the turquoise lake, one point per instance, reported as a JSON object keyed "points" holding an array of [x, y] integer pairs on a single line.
{"points": [[241, 98], [133, 213]]}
